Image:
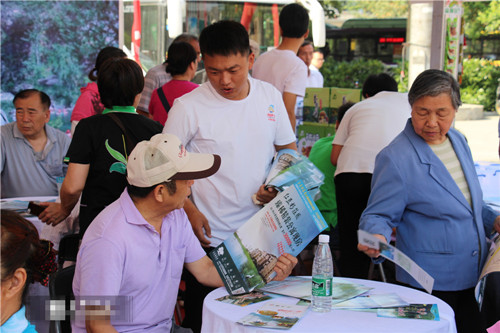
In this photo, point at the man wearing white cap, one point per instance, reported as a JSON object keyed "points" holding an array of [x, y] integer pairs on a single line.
{"points": [[133, 253]]}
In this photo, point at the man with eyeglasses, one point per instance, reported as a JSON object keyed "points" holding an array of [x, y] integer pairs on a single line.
{"points": [[32, 152], [318, 60]]}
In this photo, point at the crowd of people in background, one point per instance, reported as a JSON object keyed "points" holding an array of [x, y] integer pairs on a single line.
{"points": [[394, 168]]}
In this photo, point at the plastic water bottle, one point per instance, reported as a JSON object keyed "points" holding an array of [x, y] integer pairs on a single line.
{"points": [[322, 274]]}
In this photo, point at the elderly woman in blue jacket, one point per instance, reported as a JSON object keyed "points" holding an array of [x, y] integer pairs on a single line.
{"points": [[425, 185]]}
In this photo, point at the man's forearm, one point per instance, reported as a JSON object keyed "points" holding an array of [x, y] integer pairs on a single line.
{"points": [[213, 278], [205, 272], [289, 100]]}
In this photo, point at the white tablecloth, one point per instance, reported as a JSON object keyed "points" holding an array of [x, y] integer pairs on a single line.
{"points": [[222, 317], [51, 233]]}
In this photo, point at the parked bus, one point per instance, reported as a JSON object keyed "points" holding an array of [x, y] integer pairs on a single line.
{"points": [[383, 39], [163, 20]]}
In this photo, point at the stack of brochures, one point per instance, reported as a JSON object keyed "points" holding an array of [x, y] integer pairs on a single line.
{"points": [[346, 296], [289, 167]]}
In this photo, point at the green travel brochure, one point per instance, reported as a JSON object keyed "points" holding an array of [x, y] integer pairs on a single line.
{"points": [[274, 315], [300, 287], [412, 311], [246, 259], [372, 301], [244, 299]]}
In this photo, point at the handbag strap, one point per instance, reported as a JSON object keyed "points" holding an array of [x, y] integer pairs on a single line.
{"points": [[163, 99], [128, 141]]}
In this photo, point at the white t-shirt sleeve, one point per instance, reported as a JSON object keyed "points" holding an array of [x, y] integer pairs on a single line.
{"points": [[179, 123], [343, 131], [295, 82], [284, 132]]}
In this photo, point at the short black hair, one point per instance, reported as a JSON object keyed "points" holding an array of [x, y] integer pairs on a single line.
{"points": [[225, 38], [180, 56], [376, 83], [142, 192], [305, 43], [106, 53], [44, 98], [343, 109], [119, 81], [294, 21], [185, 38]]}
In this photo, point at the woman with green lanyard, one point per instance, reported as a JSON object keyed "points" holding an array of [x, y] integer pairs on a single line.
{"points": [[101, 144]]}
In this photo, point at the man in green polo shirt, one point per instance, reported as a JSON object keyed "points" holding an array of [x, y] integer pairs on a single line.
{"points": [[320, 157]]}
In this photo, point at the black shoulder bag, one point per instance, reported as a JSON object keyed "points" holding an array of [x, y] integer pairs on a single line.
{"points": [[163, 99]]}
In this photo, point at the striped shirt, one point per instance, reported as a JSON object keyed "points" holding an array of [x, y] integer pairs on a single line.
{"points": [[447, 155]]}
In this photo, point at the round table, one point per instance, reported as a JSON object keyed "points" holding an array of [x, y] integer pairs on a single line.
{"points": [[222, 317], [52, 233]]}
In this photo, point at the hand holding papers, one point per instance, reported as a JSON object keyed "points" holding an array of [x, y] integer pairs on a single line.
{"points": [[399, 258], [286, 225], [288, 168]]}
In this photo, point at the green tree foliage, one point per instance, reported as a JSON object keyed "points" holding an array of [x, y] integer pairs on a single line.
{"points": [[400, 74], [349, 74], [480, 78], [377, 9], [54, 44], [479, 83], [332, 8], [481, 18]]}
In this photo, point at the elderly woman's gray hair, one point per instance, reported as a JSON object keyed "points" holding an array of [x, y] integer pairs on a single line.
{"points": [[433, 82]]}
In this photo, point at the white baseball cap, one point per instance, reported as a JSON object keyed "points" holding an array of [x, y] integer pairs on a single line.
{"points": [[164, 158]]}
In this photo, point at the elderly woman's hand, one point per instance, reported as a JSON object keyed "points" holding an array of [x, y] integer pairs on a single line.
{"points": [[496, 224], [371, 252]]}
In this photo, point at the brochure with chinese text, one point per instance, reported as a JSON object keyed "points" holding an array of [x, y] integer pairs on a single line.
{"points": [[286, 224]]}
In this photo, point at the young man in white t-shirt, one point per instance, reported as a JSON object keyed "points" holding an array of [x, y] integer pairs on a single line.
{"points": [[244, 120], [281, 67]]}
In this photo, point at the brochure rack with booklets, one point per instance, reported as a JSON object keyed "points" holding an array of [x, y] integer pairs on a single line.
{"points": [[321, 104], [287, 224], [320, 114]]}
